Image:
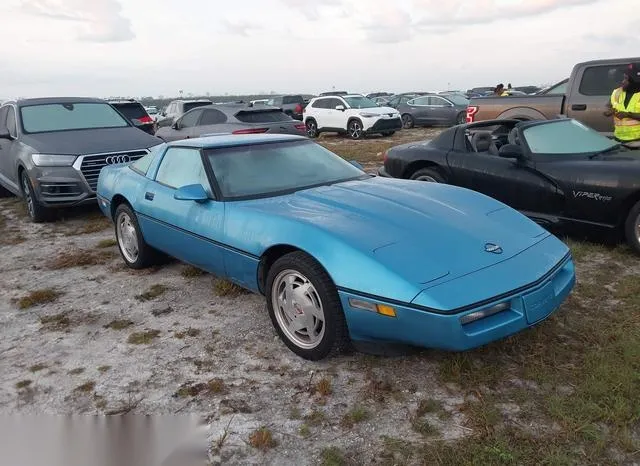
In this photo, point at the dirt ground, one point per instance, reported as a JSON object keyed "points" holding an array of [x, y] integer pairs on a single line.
{"points": [[80, 333]]}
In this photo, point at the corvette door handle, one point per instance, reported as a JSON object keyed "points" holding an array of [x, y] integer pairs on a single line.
{"points": [[149, 196], [579, 107]]}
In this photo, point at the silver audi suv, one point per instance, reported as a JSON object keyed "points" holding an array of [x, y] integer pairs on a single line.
{"points": [[52, 150]]}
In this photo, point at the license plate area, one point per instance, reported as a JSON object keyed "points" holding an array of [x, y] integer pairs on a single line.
{"points": [[540, 303]]}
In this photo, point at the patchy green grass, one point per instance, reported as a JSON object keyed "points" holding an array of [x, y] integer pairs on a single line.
{"points": [[107, 243], [86, 387], [37, 368], [57, 322], [304, 431], [79, 258], [119, 324], [324, 387], [262, 439], [576, 375], [143, 338], [355, 416], [39, 297], [214, 386], [76, 371], [152, 293], [226, 288], [332, 456], [315, 418], [190, 271], [103, 369], [23, 384], [190, 332]]}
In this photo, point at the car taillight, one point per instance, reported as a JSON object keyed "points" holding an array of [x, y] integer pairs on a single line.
{"points": [[145, 119], [251, 131], [384, 156], [301, 127], [471, 113], [298, 108]]}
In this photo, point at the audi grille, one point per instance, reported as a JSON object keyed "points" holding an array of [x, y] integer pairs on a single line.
{"points": [[92, 164]]}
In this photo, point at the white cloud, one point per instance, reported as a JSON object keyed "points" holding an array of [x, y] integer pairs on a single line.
{"points": [[98, 20]]}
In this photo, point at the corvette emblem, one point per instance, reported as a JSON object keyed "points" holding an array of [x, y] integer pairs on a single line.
{"points": [[493, 248]]}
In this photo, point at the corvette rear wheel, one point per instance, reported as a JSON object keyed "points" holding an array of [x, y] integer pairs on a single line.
{"points": [[428, 174], [304, 307], [135, 252], [632, 228]]}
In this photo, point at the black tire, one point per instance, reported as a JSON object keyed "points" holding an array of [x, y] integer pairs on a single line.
{"points": [[146, 256], [36, 211], [355, 129], [632, 228], [387, 134], [427, 174], [335, 338], [461, 119], [312, 128], [407, 121]]}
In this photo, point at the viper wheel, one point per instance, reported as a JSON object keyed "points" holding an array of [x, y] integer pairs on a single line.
{"points": [[632, 228], [428, 174]]}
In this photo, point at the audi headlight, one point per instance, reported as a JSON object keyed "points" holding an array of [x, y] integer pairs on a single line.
{"points": [[53, 160], [369, 115]]}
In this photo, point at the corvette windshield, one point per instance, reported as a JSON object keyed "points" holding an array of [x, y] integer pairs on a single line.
{"points": [[562, 137], [360, 102], [272, 168]]}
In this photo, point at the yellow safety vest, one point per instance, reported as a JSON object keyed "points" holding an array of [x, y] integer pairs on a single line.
{"points": [[626, 129]]}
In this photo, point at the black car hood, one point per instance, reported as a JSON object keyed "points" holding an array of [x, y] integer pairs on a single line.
{"points": [[90, 141]]}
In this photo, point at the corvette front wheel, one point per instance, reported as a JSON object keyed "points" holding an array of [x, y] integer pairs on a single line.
{"points": [[632, 228], [304, 307], [135, 252]]}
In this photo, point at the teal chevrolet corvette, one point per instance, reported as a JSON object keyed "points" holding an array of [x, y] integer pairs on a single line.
{"points": [[339, 255]]}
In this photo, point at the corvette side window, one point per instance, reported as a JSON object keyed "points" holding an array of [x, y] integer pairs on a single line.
{"points": [[182, 166]]}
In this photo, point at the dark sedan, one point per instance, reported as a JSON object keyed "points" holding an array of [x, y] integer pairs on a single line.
{"points": [[560, 172], [231, 118], [433, 110]]}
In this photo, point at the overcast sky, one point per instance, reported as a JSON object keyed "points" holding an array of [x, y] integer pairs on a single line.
{"points": [[158, 47]]}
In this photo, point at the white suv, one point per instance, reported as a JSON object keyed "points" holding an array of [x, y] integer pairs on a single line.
{"points": [[353, 114]]}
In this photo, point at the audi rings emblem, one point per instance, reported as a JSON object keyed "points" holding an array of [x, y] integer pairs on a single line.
{"points": [[113, 159]]}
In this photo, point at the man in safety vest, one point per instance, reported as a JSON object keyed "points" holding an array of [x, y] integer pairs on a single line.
{"points": [[625, 108]]}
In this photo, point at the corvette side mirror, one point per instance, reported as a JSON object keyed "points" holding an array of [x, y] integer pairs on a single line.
{"points": [[511, 151], [192, 192]]}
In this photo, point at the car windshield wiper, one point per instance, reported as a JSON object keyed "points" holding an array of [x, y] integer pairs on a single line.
{"points": [[606, 151]]}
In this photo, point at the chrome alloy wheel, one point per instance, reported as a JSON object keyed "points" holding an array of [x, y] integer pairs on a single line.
{"points": [[426, 178], [127, 237], [355, 130], [298, 309]]}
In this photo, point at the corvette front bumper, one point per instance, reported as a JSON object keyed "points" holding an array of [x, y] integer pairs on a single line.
{"points": [[457, 332]]}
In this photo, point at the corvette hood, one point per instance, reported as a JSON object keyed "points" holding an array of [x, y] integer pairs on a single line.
{"points": [[420, 231]]}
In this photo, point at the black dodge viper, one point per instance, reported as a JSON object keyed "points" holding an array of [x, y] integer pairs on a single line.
{"points": [[560, 173]]}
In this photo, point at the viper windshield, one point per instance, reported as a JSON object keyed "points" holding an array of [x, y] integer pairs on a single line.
{"points": [[563, 137], [70, 116], [269, 169]]}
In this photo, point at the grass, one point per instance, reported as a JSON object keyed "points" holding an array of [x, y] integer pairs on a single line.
{"points": [[103, 369], [106, 243], [152, 293], [37, 368], [355, 416], [323, 387], [79, 258], [119, 324], [262, 439], [39, 297], [190, 332], [57, 322], [23, 384], [143, 338], [76, 371], [581, 376], [304, 431], [227, 289], [86, 387], [215, 386], [332, 456], [190, 271]]}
